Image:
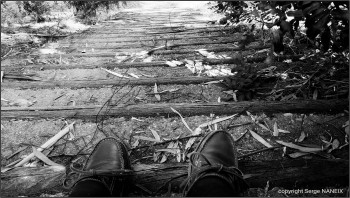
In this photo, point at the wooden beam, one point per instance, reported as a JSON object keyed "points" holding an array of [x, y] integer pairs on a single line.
{"points": [[143, 39], [159, 52], [288, 173], [9, 68], [186, 109], [114, 82], [138, 45]]}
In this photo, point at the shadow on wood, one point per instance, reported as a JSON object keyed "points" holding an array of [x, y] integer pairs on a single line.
{"points": [[290, 174]]}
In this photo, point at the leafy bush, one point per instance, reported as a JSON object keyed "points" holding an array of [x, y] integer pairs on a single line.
{"points": [[88, 9], [327, 22]]}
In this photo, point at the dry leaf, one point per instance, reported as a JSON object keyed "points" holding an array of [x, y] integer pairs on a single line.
{"points": [[2, 75], [114, 73], [213, 82], [301, 148], [133, 118], [190, 143], [216, 121], [287, 114], [335, 144], [133, 75], [183, 121], [263, 126], [283, 131], [146, 138], [136, 143], [302, 137], [148, 59], [174, 63], [156, 156], [164, 158], [275, 129], [22, 103], [298, 154], [260, 139], [155, 134], [168, 150], [156, 92], [43, 158]]}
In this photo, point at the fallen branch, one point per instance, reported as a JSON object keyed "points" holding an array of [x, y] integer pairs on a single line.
{"points": [[47, 144]]}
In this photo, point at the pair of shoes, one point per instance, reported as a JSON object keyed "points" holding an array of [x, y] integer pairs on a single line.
{"points": [[108, 166], [213, 163]]}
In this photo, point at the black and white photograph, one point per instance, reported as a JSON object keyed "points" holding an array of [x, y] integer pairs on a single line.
{"points": [[175, 99]]}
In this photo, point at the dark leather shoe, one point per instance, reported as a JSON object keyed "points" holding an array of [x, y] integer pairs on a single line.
{"points": [[215, 157], [108, 164]]}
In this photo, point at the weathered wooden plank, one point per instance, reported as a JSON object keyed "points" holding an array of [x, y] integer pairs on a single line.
{"points": [[127, 39], [187, 109], [158, 52], [137, 44], [109, 82], [290, 174]]}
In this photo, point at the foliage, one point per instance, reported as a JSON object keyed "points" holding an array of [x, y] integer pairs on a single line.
{"points": [[88, 9], [327, 22], [16, 11]]}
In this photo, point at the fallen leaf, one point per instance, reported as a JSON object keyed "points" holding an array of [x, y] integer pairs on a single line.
{"points": [[287, 114], [301, 148], [275, 129], [2, 75], [302, 137], [168, 150], [335, 144], [283, 131], [22, 103], [133, 118], [2, 127], [156, 92], [114, 73], [183, 120], [213, 82], [133, 75], [298, 154], [216, 121], [263, 126], [260, 139], [174, 63], [148, 59], [164, 158], [146, 138], [190, 143], [43, 158], [155, 134], [156, 156], [136, 143]]}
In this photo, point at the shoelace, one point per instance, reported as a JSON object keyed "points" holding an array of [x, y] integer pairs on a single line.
{"points": [[231, 172], [93, 172]]}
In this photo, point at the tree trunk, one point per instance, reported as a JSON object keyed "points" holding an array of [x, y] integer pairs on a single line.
{"points": [[186, 109], [290, 174]]}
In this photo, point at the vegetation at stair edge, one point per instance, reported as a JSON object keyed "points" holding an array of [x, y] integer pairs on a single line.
{"points": [[327, 22]]}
